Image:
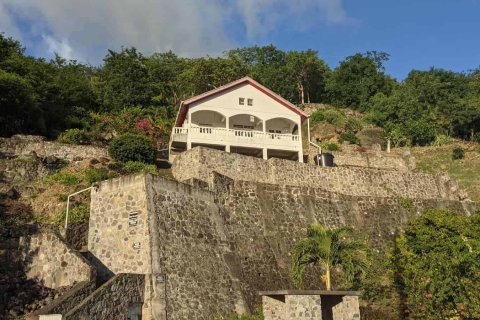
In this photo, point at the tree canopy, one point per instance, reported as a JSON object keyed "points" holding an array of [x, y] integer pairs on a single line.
{"points": [[436, 265], [48, 97]]}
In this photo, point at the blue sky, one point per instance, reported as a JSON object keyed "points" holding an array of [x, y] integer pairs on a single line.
{"points": [[417, 34]]}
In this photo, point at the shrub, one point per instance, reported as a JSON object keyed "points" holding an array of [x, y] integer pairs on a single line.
{"points": [[435, 265], [458, 153], [136, 166], [94, 175], [65, 178], [353, 125], [441, 140], [329, 146], [350, 137], [258, 315], [74, 136], [334, 117], [132, 147], [79, 213]]}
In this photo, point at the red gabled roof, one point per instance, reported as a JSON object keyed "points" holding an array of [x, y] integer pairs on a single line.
{"points": [[184, 104]]}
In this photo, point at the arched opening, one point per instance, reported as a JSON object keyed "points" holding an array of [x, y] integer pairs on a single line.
{"points": [[281, 126], [245, 122], [208, 118]]}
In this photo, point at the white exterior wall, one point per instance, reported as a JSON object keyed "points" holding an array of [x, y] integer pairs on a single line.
{"points": [[264, 107], [268, 113]]}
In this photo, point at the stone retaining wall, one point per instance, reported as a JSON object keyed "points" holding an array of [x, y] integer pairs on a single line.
{"points": [[20, 145], [200, 162], [212, 250], [20, 170], [46, 257], [67, 301], [375, 160], [191, 248], [118, 211], [113, 300]]}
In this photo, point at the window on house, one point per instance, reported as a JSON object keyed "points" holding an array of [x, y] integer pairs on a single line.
{"points": [[250, 102], [241, 101]]}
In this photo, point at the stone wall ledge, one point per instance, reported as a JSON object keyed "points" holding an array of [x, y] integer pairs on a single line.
{"points": [[67, 301], [309, 292], [112, 299], [19, 145]]}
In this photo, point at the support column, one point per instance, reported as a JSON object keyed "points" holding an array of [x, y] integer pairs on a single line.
{"points": [[300, 156], [265, 154], [189, 142], [227, 148], [300, 153]]}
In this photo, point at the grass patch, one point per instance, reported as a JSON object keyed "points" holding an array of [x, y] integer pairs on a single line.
{"points": [[465, 171], [137, 166], [64, 178], [79, 213]]}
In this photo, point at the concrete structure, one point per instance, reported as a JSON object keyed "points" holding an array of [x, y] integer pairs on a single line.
{"points": [[241, 117], [310, 305]]}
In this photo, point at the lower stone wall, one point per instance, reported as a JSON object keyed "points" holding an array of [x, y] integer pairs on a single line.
{"points": [[20, 145], [22, 170], [190, 248], [212, 250], [118, 239], [113, 300], [47, 258], [200, 162], [375, 160], [348, 309], [67, 301]]}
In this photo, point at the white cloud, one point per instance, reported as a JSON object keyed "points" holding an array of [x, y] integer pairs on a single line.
{"points": [[263, 16], [61, 47], [85, 29]]}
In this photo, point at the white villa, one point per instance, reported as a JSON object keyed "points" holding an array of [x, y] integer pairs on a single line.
{"points": [[241, 117]]}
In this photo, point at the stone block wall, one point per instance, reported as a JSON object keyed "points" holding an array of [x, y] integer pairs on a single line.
{"points": [[191, 248], [118, 237], [318, 305], [348, 309], [371, 159], [200, 162], [20, 145], [208, 252], [113, 300], [22, 170], [46, 257], [67, 301]]}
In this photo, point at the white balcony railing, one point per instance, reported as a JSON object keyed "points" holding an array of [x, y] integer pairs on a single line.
{"points": [[234, 137]]}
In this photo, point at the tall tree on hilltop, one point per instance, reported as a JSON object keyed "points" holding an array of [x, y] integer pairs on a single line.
{"points": [[125, 80], [204, 74], [357, 79], [165, 69], [309, 73], [330, 249]]}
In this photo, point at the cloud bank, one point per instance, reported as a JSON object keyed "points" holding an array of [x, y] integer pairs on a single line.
{"points": [[85, 29]]}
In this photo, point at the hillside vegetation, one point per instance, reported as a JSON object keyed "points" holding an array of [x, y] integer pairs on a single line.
{"points": [[133, 92]]}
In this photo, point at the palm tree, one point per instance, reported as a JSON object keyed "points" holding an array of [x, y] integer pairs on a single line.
{"points": [[329, 248]]}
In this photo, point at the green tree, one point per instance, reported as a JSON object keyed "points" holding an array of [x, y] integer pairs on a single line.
{"points": [[330, 249], [204, 74], [165, 69], [125, 80], [436, 265], [357, 79], [267, 65], [309, 74]]}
